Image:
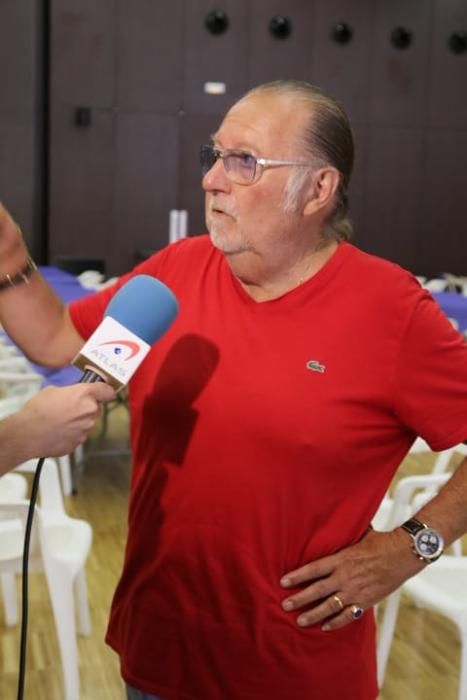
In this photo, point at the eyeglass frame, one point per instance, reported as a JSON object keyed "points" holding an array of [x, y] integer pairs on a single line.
{"points": [[264, 163]]}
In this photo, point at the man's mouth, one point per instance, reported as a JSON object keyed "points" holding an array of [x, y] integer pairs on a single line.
{"points": [[222, 211]]}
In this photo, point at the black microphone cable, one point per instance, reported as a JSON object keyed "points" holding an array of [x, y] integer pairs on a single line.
{"points": [[24, 583]]}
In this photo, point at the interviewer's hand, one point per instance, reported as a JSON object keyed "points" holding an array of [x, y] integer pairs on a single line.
{"points": [[56, 420], [360, 575]]}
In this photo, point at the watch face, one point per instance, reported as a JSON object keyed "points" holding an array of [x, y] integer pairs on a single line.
{"points": [[428, 543]]}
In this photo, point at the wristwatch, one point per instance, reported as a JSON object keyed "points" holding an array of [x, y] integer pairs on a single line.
{"points": [[427, 543]]}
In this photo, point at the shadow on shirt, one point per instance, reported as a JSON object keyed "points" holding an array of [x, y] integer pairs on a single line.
{"points": [[169, 416]]}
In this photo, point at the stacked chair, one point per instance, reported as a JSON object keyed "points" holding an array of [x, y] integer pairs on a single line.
{"points": [[442, 585], [59, 548]]}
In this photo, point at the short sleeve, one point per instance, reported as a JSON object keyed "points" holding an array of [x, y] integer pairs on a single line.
{"points": [[431, 377]]}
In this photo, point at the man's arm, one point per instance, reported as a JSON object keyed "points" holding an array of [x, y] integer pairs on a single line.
{"points": [[366, 572], [52, 423], [30, 312]]}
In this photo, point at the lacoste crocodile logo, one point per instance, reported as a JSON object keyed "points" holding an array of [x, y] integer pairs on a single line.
{"points": [[315, 366]]}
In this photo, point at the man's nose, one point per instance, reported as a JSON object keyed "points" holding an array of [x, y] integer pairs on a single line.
{"points": [[216, 177]]}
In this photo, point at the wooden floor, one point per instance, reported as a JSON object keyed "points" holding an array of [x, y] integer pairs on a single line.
{"points": [[424, 658]]}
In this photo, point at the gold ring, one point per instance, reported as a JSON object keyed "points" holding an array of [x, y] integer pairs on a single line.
{"points": [[356, 611], [338, 601]]}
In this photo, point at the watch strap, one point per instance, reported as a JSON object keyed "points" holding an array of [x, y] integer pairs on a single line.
{"points": [[412, 526]]}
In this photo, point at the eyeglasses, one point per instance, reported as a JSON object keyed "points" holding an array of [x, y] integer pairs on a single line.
{"points": [[240, 166]]}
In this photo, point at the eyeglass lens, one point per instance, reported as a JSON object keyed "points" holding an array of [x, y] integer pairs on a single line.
{"points": [[240, 167]]}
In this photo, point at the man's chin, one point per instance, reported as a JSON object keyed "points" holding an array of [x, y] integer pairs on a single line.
{"points": [[226, 245]]}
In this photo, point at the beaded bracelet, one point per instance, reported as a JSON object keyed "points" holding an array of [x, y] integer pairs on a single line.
{"points": [[8, 281]]}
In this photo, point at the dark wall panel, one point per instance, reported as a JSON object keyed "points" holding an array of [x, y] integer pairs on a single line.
{"points": [[150, 56], [143, 68], [393, 191], [442, 225], [343, 67], [447, 103], [81, 186], [280, 44], [17, 185], [357, 192], [146, 170], [82, 52], [20, 117], [399, 75], [214, 57]]}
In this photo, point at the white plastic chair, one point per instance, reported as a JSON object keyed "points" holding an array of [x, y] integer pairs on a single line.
{"points": [[383, 517], [59, 547], [436, 285], [21, 384], [443, 458], [410, 494], [7, 349], [93, 279], [18, 382], [441, 586], [13, 487], [16, 362]]}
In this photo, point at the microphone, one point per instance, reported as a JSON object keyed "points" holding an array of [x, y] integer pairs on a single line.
{"points": [[136, 316]]}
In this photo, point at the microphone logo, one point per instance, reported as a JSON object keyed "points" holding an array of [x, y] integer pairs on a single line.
{"points": [[115, 350], [131, 348]]}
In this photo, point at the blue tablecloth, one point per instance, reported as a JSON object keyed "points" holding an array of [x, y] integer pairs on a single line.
{"points": [[67, 286], [455, 307]]}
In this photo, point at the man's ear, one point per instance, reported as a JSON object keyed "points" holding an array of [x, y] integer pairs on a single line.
{"points": [[322, 190]]}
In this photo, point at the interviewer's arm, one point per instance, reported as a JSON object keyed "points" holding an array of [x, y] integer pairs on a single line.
{"points": [[52, 423], [30, 312]]}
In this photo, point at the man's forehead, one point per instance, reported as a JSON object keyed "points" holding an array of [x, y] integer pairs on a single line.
{"points": [[243, 132], [252, 122]]}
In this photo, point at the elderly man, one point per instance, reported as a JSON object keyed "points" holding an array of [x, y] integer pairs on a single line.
{"points": [[268, 422]]}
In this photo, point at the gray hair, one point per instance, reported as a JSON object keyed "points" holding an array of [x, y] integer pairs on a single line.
{"points": [[326, 140]]}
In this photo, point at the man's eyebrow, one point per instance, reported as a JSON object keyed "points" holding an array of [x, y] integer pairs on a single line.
{"points": [[238, 149]]}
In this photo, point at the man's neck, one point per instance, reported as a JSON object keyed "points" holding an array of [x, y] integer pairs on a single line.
{"points": [[265, 282]]}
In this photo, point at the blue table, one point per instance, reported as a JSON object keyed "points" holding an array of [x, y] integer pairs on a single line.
{"points": [[66, 285], [455, 307]]}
